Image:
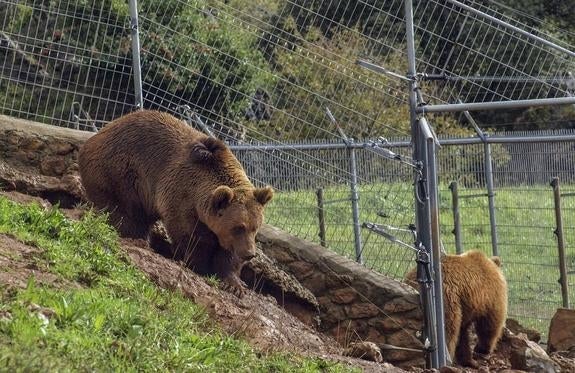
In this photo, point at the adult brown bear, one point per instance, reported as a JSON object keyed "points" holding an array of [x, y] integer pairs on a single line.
{"points": [[474, 292], [148, 166]]}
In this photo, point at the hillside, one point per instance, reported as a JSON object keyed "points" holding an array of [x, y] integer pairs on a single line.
{"points": [[76, 297], [118, 302]]}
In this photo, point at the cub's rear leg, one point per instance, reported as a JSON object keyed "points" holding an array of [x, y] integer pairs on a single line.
{"points": [[463, 354], [488, 331]]}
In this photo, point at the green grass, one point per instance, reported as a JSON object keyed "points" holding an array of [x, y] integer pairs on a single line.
{"points": [[117, 320], [525, 224]]}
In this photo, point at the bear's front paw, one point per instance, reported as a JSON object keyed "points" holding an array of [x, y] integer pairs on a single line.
{"points": [[470, 363], [234, 285], [481, 351]]}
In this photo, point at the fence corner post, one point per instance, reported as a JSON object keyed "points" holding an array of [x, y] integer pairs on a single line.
{"points": [[321, 216], [136, 66], [560, 242], [456, 218]]}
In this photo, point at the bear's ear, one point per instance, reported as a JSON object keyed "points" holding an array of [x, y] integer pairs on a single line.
{"points": [[204, 149], [221, 197], [263, 195], [496, 260], [199, 152]]}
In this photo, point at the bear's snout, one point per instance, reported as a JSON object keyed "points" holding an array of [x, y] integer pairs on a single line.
{"points": [[247, 253]]}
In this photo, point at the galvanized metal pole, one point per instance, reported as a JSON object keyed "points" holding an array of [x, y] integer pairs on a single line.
{"points": [[136, 67], [490, 196], [423, 225], [560, 242], [321, 216], [456, 217], [420, 133], [422, 212], [432, 182], [355, 206], [405, 144], [349, 143], [496, 105], [488, 173]]}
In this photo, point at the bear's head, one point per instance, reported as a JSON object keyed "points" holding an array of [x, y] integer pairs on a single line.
{"points": [[236, 215]]}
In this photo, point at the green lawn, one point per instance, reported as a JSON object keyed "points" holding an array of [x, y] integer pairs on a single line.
{"points": [[118, 320], [525, 225]]}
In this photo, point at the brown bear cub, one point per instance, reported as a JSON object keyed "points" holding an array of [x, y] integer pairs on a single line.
{"points": [[148, 166], [474, 292]]}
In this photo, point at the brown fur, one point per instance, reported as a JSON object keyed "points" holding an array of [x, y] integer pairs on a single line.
{"points": [[474, 292], [148, 166]]}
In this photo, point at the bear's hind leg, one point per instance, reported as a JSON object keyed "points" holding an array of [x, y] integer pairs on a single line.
{"points": [[463, 353], [488, 331], [453, 319]]}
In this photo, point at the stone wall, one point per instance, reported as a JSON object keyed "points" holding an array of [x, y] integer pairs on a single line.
{"points": [[355, 303], [40, 160]]}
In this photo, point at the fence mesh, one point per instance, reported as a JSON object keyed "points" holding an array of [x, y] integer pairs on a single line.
{"points": [[525, 213], [264, 72], [478, 59], [65, 63]]}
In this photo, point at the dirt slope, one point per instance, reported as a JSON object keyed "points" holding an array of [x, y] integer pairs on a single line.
{"points": [[256, 318]]}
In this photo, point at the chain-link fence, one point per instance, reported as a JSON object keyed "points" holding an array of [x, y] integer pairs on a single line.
{"points": [[523, 167], [262, 73], [524, 210], [316, 202]]}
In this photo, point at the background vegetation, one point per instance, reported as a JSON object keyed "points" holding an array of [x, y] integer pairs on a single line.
{"points": [[218, 56]]}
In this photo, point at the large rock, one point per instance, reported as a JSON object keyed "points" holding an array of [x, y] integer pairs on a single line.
{"points": [[562, 331], [66, 191], [528, 355], [40, 160], [517, 328], [263, 275]]}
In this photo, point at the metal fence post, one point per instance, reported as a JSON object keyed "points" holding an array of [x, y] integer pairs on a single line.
{"points": [[432, 182], [426, 219], [490, 195], [136, 54], [456, 217], [355, 205], [560, 242], [321, 216], [488, 173]]}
